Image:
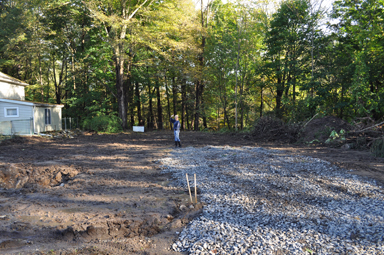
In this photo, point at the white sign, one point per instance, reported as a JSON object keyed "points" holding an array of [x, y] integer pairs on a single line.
{"points": [[138, 129]]}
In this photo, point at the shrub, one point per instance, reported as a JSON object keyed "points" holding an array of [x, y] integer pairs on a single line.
{"points": [[377, 147], [103, 123]]}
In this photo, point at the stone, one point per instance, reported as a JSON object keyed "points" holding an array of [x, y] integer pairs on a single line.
{"points": [[58, 177], [21, 182], [267, 201]]}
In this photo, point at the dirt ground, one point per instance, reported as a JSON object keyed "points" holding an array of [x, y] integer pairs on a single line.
{"points": [[105, 194]]}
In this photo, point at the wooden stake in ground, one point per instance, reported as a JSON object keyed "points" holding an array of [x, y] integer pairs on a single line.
{"points": [[189, 189], [195, 189]]}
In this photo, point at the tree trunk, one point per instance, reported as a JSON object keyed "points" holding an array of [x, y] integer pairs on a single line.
{"points": [[121, 91], [130, 89], [73, 70], [138, 103], [168, 103], [199, 83], [279, 95], [294, 92], [57, 84], [66, 82], [201, 106], [187, 118], [341, 100], [47, 93], [261, 101], [174, 95], [197, 106], [225, 112], [218, 118], [41, 78], [183, 101], [119, 53], [130, 105], [241, 107], [150, 114], [159, 108], [55, 79], [237, 75], [205, 121], [241, 94]]}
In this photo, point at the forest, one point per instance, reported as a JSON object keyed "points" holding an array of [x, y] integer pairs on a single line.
{"points": [[217, 64]]}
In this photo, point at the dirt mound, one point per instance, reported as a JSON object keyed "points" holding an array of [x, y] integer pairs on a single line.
{"points": [[113, 229], [320, 129], [273, 129], [19, 176]]}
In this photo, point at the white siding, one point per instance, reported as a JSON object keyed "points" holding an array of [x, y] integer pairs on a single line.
{"points": [[21, 125], [25, 111], [40, 125], [56, 118], [11, 91]]}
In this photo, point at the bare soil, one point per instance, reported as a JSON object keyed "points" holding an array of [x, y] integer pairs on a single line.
{"points": [[105, 194]]}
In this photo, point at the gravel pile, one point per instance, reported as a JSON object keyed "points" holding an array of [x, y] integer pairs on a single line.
{"points": [[263, 201]]}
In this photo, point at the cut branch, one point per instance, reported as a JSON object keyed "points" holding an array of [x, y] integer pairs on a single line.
{"points": [[381, 123]]}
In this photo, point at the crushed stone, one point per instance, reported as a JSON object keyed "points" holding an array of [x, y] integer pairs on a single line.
{"points": [[261, 201]]}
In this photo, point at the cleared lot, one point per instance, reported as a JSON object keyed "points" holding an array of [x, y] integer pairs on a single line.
{"points": [[99, 194]]}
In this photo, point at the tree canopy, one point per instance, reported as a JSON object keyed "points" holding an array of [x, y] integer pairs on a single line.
{"points": [[221, 66]]}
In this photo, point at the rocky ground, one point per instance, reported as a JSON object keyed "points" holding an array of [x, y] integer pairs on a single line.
{"points": [[126, 193], [261, 201]]}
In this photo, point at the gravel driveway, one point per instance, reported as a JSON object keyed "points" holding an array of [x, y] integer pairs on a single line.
{"points": [[261, 201]]}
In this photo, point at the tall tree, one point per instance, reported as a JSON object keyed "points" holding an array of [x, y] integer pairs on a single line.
{"points": [[287, 41], [116, 18], [360, 30]]}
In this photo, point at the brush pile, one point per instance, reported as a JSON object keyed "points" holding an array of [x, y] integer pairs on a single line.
{"points": [[271, 129]]}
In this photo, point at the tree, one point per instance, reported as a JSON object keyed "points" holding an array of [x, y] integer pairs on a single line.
{"points": [[234, 43], [287, 43], [115, 18], [360, 30]]}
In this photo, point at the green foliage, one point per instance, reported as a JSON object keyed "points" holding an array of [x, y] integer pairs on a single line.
{"points": [[360, 34], [334, 136], [235, 32], [103, 123], [101, 58], [225, 130], [287, 62], [314, 141]]}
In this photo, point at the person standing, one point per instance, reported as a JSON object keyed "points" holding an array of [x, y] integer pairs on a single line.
{"points": [[176, 129]]}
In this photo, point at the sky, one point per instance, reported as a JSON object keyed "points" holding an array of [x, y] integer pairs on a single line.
{"points": [[324, 3]]}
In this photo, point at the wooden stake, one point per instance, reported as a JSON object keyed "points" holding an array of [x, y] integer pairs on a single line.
{"points": [[195, 189], [189, 189]]}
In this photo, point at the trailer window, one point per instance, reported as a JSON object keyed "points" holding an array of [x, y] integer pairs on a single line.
{"points": [[11, 112], [47, 116]]}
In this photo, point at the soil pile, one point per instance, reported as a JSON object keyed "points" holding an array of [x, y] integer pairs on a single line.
{"points": [[320, 129], [28, 176]]}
